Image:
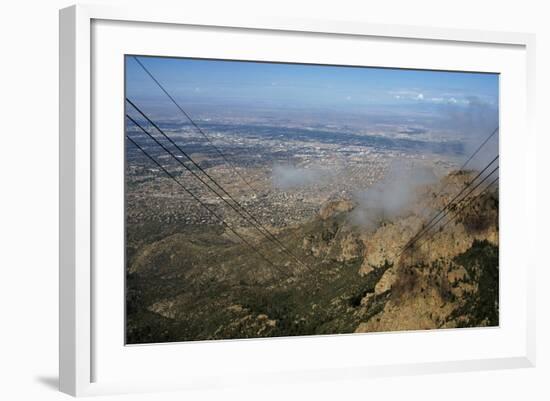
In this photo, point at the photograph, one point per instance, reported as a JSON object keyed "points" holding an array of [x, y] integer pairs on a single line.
{"points": [[273, 199]]}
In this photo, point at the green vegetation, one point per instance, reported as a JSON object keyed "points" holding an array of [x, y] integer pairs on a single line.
{"points": [[371, 280], [304, 307], [481, 307]]}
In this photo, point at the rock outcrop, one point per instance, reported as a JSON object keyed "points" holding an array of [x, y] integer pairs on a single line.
{"points": [[332, 208], [352, 248]]}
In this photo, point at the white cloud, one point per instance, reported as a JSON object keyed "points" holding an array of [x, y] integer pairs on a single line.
{"points": [[432, 97]]}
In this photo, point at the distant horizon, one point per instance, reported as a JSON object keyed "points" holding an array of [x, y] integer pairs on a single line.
{"points": [[203, 85], [425, 106]]}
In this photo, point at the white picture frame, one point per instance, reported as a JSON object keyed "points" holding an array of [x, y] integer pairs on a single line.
{"points": [[79, 346]]}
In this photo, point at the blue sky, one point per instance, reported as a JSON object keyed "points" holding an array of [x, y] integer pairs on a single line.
{"points": [[305, 86]]}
